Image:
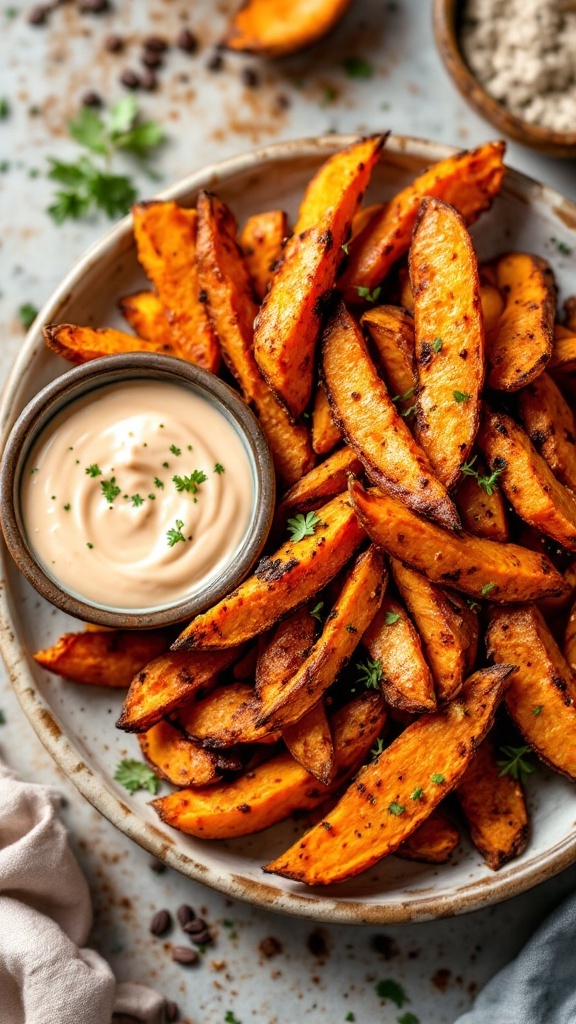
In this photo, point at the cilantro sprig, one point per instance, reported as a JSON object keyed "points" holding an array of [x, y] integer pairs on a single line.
{"points": [[134, 775], [487, 483], [369, 673], [515, 763], [191, 483], [175, 534], [389, 989], [302, 526]]}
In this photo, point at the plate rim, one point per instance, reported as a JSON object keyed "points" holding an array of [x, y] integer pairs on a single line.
{"points": [[314, 906]]}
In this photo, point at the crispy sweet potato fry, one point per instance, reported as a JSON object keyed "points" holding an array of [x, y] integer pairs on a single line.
{"points": [[363, 217], [551, 426], [391, 639], [271, 28], [563, 358], [527, 480], [283, 651], [145, 314], [224, 717], [520, 344], [275, 789], [447, 628], [570, 640], [81, 344], [351, 615], [479, 567], [449, 337], [232, 309], [321, 483], [325, 433], [107, 658], [180, 761], [468, 181], [392, 331], [482, 510], [433, 842], [289, 320], [169, 682], [296, 572], [309, 740], [393, 795], [542, 692], [261, 241], [492, 305], [494, 807], [166, 239]]}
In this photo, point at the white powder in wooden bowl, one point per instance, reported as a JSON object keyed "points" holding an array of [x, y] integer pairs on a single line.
{"points": [[524, 54]]}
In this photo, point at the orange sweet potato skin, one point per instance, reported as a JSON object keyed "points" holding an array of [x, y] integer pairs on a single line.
{"points": [[433, 842], [321, 483], [107, 658], [82, 344], [482, 514], [224, 717], [551, 426], [494, 807], [264, 27], [180, 761], [325, 432], [392, 332], [283, 651], [261, 244], [309, 740], [145, 314], [520, 344], [406, 678]]}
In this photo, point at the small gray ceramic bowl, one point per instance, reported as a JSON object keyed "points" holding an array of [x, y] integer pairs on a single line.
{"points": [[110, 370]]}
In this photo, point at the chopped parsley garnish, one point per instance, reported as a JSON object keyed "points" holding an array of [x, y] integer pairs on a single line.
{"points": [[175, 534], [4, 108], [388, 989], [405, 396], [152, 497], [395, 808], [302, 526], [191, 483], [175, 450], [350, 1016], [487, 483], [219, 468], [391, 617], [89, 545], [27, 314], [345, 248], [561, 247], [158, 483], [537, 709], [377, 750], [137, 500], [416, 794], [110, 489], [461, 396], [408, 1018], [515, 763], [135, 775], [370, 673], [437, 345], [487, 588], [2, 718], [166, 465], [93, 470], [473, 605], [316, 612], [365, 293], [67, 507], [437, 779], [189, 448], [231, 1018], [358, 67]]}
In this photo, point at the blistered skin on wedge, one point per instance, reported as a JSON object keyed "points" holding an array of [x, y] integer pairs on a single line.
{"points": [[282, 652], [224, 717], [145, 314], [433, 842], [103, 658], [261, 242], [494, 807], [520, 344], [81, 344], [326, 434], [551, 426], [180, 761], [392, 332], [391, 639], [309, 740], [320, 484]]}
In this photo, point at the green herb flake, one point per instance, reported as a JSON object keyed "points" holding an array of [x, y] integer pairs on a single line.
{"points": [[110, 489], [515, 763], [350, 1016], [219, 468], [137, 500], [365, 293], [93, 470], [33, 470], [345, 248], [189, 484], [158, 483], [67, 507], [437, 779], [487, 588], [561, 247], [316, 612], [175, 534], [461, 396], [329, 95], [388, 989], [437, 345], [395, 808], [166, 465], [487, 483], [416, 793], [403, 398], [134, 775], [408, 1018], [358, 67], [4, 108], [302, 526], [537, 709], [27, 314], [89, 545], [391, 617], [231, 1018], [377, 750], [175, 450], [369, 673], [152, 497]]}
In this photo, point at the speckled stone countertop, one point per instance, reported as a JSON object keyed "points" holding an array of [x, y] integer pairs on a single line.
{"points": [[261, 967]]}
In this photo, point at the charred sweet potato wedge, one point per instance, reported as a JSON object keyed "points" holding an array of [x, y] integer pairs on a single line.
{"points": [[542, 693], [433, 842], [326, 434], [492, 303], [551, 426], [447, 628], [224, 717], [281, 582], [321, 483], [391, 640], [373, 426], [392, 796], [481, 504], [309, 740], [275, 789], [563, 358], [107, 658], [282, 652], [261, 242], [269, 28], [351, 615], [449, 337], [290, 317], [180, 761], [145, 314], [468, 182], [527, 480], [506, 573], [392, 332], [570, 640], [81, 344], [494, 807], [231, 307], [165, 236], [520, 344]]}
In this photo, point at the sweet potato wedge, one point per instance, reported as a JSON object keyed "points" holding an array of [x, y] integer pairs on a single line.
{"points": [[269, 28], [180, 761], [169, 682], [482, 509], [393, 795], [551, 426], [542, 693], [492, 304], [468, 181], [261, 241], [283, 651], [505, 572], [563, 358], [309, 740], [449, 337], [109, 658], [527, 480], [494, 807], [391, 639], [325, 432], [296, 572], [81, 344], [373, 427], [392, 332], [570, 640], [275, 789], [165, 236], [231, 307], [433, 842], [224, 717], [290, 317], [145, 314], [447, 628], [320, 484], [351, 615], [520, 344]]}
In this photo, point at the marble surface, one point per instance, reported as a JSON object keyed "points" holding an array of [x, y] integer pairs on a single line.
{"points": [[324, 973]]}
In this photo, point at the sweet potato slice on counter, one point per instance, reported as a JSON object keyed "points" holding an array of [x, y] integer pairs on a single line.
{"points": [[224, 717], [392, 796], [449, 337], [527, 480], [81, 344], [261, 241], [406, 680], [108, 658], [373, 427], [392, 332], [325, 432], [494, 807], [433, 842], [145, 314], [231, 307], [169, 682], [275, 789], [351, 615], [551, 426], [290, 317], [272, 28], [542, 693], [520, 344], [505, 573], [283, 651], [321, 483], [447, 628], [180, 761], [310, 742], [480, 502], [468, 181], [166, 240]]}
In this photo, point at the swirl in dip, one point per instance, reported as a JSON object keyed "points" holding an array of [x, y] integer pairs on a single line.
{"points": [[138, 494]]}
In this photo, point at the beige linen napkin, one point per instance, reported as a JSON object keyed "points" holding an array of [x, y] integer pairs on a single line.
{"points": [[46, 974]]}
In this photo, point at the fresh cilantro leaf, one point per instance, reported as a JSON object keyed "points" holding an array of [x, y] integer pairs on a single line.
{"points": [[174, 535], [4, 108], [408, 412], [219, 468], [437, 779], [487, 483], [350, 1016], [473, 605], [461, 396], [27, 314], [127, 131], [137, 500], [175, 450], [370, 673], [231, 1018], [391, 617], [191, 483], [408, 1018], [388, 989], [87, 189], [405, 396], [487, 588], [2, 718], [316, 612], [537, 709], [377, 750], [122, 116], [365, 293], [110, 489], [302, 526], [437, 345], [561, 247], [516, 763], [416, 794], [158, 483], [358, 67], [135, 775], [396, 809], [88, 129], [93, 470]]}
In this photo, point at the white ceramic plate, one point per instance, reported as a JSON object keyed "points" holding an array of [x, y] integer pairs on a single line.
{"points": [[76, 723]]}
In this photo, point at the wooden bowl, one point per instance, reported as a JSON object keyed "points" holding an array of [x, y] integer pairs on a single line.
{"points": [[447, 18]]}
